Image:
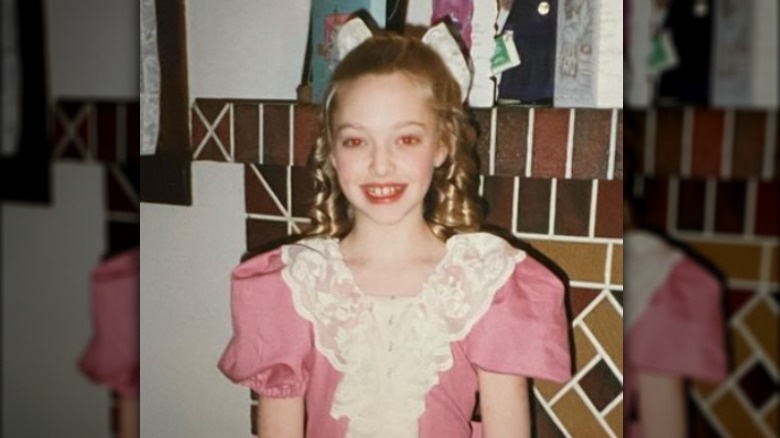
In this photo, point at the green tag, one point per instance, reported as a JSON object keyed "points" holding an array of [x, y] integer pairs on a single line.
{"points": [[505, 54], [663, 55]]}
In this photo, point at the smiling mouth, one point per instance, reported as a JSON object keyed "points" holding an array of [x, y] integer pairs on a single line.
{"points": [[383, 193]]}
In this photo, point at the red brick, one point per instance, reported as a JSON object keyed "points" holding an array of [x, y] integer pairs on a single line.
{"points": [[730, 207], [690, 205], [668, 141], [533, 205], [572, 207], [591, 143], [511, 140], [609, 210], [707, 142], [749, 139], [498, 192], [551, 131]]}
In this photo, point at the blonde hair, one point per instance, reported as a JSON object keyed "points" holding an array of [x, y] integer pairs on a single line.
{"points": [[451, 205]]}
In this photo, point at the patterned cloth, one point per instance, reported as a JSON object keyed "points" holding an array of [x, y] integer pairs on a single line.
{"points": [[383, 366]]}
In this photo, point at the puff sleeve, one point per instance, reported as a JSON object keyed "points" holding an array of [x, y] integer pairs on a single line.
{"points": [[525, 331], [681, 332], [111, 357], [271, 343]]}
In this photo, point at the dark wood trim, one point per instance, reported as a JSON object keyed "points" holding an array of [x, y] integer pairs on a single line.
{"points": [[24, 180], [166, 176], [166, 179], [25, 176], [122, 236]]}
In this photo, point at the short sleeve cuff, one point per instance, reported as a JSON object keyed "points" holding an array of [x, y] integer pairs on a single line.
{"points": [[525, 331]]}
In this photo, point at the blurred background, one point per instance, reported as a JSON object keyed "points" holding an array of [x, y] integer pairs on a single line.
{"points": [[69, 185], [701, 138]]}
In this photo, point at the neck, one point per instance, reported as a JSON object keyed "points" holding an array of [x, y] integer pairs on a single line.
{"points": [[396, 241]]}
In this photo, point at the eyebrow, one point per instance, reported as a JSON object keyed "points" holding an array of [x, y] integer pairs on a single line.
{"points": [[347, 126], [398, 125]]}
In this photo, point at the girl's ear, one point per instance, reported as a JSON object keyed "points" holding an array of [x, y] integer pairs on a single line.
{"points": [[441, 154]]}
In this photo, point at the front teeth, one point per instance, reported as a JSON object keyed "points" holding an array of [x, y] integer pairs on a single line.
{"points": [[382, 191]]}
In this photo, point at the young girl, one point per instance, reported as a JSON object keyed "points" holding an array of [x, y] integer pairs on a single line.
{"points": [[394, 310]]}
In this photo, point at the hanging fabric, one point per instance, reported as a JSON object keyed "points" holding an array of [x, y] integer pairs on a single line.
{"points": [[150, 79]]}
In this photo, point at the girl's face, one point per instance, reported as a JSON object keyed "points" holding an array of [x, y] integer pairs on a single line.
{"points": [[386, 144]]}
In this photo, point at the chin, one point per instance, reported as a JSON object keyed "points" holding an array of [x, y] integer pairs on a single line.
{"points": [[383, 220], [391, 217]]}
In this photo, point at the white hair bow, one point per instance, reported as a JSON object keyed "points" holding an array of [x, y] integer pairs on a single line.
{"points": [[354, 32]]}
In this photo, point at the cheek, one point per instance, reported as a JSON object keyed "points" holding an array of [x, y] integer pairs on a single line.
{"points": [[344, 168], [423, 167]]}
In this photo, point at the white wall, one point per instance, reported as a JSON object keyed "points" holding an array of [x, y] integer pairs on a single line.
{"points": [[93, 48], [246, 48], [187, 254], [253, 49], [48, 253]]}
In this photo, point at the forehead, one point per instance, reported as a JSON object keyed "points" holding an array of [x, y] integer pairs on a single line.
{"points": [[381, 96]]}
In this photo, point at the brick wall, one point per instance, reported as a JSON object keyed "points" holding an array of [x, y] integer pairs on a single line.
{"points": [[711, 179], [553, 177]]}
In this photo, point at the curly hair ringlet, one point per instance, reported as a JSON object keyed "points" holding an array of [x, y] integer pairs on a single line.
{"points": [[451, 205]]}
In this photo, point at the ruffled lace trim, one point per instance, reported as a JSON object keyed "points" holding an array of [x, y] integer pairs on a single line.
{"points": [[385, 382], [283, 391]]}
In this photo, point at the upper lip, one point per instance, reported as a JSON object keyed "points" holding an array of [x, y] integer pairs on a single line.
{"points": [[385, 184]]}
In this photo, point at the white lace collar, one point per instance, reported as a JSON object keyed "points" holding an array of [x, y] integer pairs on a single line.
{"points": [[389, 370], [648, 263]]}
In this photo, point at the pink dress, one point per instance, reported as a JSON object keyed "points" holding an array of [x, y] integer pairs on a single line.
{"points": [[401, 367], [673, 317], [112, 356]]}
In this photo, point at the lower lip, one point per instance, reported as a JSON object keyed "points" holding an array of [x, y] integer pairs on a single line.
{"points": [[384, 199]]}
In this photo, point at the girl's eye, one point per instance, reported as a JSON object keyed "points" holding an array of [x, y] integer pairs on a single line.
{"points": [[351, 142], [409, 140]]}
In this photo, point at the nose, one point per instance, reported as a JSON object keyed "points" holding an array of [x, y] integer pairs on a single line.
{"points": [[381, 160]]}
